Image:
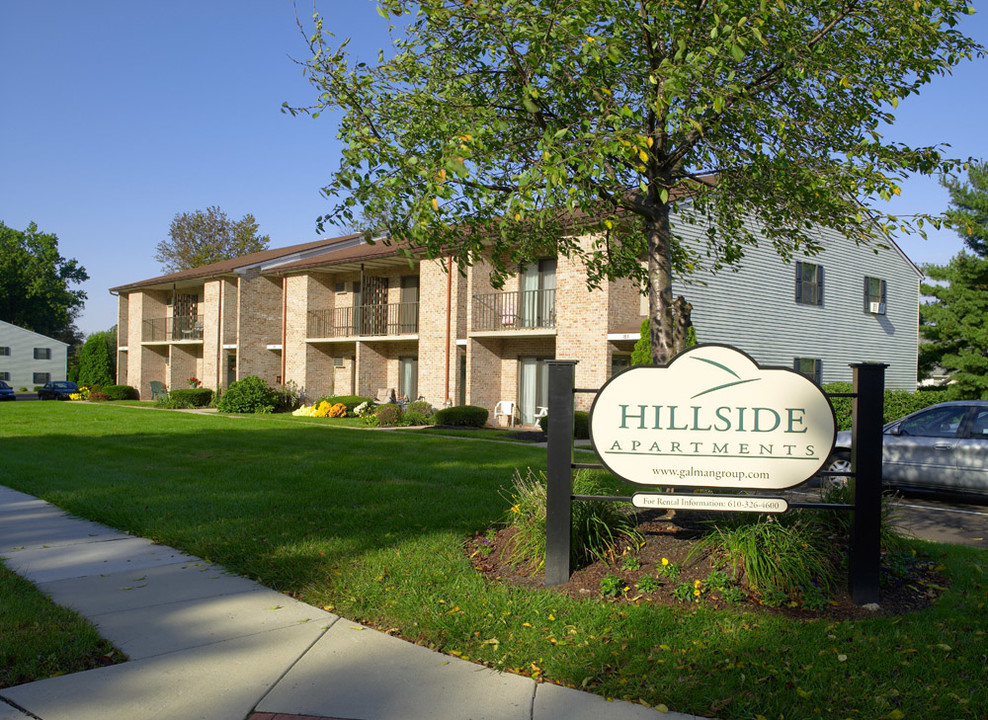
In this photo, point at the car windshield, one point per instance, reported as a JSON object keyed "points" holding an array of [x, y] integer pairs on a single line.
{"points": [[4, 386], [61, 385]]}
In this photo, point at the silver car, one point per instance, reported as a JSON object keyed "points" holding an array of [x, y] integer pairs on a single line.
{"points": [[943, 447]]}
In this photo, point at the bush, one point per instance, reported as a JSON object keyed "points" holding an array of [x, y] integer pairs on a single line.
{"points": [[248, 395], [414, 417], [598, 527], [96, 366], [120, 392], [288, 398], [897, 402], [581, 425], [421, 407], [390, 416], [192, 397], [463, 416], [171, 402]]}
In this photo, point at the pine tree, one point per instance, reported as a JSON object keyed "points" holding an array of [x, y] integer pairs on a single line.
{"points": [[969, 214], [96, 367]]}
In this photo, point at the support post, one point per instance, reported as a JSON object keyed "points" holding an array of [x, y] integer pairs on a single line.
{"points": [[864, 559], [559, 471]]}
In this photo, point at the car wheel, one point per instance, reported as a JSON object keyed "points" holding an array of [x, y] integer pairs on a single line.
{"points": [[839, 461]]}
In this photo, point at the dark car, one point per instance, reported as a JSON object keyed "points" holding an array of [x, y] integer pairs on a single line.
{"points": [[6, 392], [57, 390], [943, 448]]}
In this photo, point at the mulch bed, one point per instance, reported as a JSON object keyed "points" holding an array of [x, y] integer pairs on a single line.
{"points": [[672, 538]]}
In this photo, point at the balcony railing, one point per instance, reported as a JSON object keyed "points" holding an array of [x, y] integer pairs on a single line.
{"points": [[380, 320], [521, 310], [167, 329]]}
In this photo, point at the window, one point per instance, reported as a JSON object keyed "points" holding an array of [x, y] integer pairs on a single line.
{"points": [[41, 378], [810, 367], [874, 296], [537, 294], [4, 350], [619, 363], [339, 361], [408, 377], [5, 376], [809, 283], [42, 354], [340, 288], [942, 422]]}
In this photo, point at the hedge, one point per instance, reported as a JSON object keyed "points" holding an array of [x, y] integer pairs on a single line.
{"points": [[196, 397], [581, 425], [120, 392], [462, 415], [897, 402]]}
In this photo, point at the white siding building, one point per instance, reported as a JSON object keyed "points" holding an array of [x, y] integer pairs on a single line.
{"points": [[28, 359]]}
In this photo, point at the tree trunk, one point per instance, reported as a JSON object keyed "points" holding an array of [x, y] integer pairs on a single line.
{"points": [[660, 304]]}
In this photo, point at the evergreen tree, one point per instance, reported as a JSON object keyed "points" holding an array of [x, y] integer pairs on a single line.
{"points": [[96, 366], [969, 214]]}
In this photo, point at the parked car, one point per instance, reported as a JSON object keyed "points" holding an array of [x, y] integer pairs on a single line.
{"points": [[57, 390], [6, 392], [943, 447]]}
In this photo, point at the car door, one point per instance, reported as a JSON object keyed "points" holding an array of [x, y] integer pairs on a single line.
{"points": [[971, 455], [920, 450]]}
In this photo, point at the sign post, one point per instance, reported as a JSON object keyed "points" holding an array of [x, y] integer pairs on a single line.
{"points": [[559, 473], [864, 561]]}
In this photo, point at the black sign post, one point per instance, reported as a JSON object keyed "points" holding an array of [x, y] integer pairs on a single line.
{"points": [[865, 555], [559, 473]]}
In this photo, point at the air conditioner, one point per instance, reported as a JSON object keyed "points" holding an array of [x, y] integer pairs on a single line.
{"points": [[876, 308]]}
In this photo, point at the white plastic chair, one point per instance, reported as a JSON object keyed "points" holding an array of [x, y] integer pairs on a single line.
{"points": [[505, 408], [540, 412]]}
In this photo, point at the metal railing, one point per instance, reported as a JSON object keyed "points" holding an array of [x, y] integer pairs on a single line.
{"points": [[381, 320], [520, 310], [168, 329]]}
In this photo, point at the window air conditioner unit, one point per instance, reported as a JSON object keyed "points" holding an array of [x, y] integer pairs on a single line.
{"points": [[876, 308]]}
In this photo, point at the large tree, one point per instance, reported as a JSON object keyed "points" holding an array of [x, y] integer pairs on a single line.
{"points": [[953, 317], [208, 236], [505, 129], [35, 284]]}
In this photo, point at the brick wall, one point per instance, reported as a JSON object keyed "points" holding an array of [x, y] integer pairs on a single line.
{"points": [[259, 320]]}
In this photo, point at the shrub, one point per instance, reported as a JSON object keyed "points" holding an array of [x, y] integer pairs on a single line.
{"points": [[422, 407], [192, 397], [581, 425], [390, 415], [462, 415], [97, 395], [171, 402], [288, 398], [96, 367], [120, 392], [248, 395], [897, 402], [413, 417], [597, 527]]}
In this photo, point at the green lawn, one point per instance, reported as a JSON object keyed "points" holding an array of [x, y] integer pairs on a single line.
{"points": [[372, 524]]}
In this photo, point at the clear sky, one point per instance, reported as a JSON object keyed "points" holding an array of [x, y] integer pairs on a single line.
{"points": [[116, 115]]}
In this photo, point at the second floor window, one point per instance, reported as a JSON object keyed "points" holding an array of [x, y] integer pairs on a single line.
{"points": [[4, 350], [42, 354], [809, 283], [874, 295], [810, 367]]}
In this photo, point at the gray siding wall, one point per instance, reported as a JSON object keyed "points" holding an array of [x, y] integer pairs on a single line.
{"points": [[21, 363], [754, 309]]}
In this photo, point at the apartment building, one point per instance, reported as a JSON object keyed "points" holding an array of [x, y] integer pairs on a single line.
{"points": [[341, 316], [28, 359]]}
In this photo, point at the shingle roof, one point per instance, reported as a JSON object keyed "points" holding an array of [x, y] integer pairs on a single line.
{"points": [[226, 267]]}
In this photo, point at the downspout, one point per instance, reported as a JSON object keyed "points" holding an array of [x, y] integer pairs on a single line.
{"points": [[284, 326], [449, 305], [219, 337]]}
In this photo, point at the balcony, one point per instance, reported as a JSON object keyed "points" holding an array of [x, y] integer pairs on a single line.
{"points": [[365, 320], [171, 329], [523, 310]]}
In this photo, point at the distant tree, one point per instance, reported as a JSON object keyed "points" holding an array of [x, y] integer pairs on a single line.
{"points": [[35, 284], [208, 236], [96, 365], [506, 131], [969, 211]]}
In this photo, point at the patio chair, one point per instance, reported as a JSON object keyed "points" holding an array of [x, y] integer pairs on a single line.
{"points": [[158, 389], [540, 412], [507, 409], [385, 396]]}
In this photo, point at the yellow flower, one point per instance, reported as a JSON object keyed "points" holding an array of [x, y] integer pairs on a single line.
{"points": [[696, 583], [516, 509], [696, 592], [665, 561]]}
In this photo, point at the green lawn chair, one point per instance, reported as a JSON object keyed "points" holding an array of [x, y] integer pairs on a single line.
{"points": [[158, 390]]}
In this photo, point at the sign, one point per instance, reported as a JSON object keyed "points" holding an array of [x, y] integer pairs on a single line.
{"points": [[712, 418], [720, 503]]}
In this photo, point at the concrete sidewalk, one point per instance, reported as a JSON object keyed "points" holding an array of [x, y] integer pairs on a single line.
{"points": [[206, 644]]}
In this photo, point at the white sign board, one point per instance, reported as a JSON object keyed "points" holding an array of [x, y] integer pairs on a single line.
{"points": [[712, 418]]}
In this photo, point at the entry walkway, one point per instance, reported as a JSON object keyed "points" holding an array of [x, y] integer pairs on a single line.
{"points": [[206, 644]]}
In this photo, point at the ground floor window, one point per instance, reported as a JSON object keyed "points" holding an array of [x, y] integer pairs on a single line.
{"points": [[231, 369], [408, 377], [533, 386], [41, 378], [619, 362], [810, 367]]}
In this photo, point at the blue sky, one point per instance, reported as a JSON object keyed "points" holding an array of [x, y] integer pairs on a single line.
{"points": [[119, 114]]}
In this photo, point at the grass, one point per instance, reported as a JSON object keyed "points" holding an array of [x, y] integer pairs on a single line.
{"points": [[39, 639], [372, 524]]}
